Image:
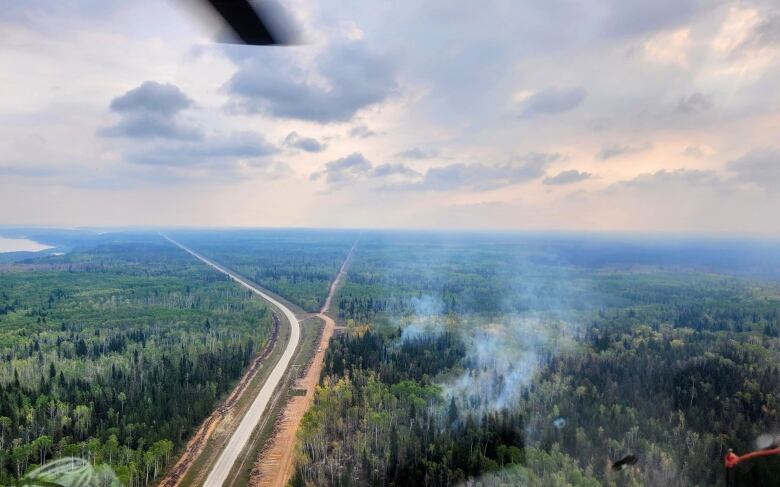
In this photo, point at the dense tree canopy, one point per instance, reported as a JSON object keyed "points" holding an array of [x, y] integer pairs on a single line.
{"points": [[114, 354], [467, 359], [667, 362]]}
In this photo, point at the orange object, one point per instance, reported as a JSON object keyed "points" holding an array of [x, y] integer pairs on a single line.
{"points": [[732, 459]]}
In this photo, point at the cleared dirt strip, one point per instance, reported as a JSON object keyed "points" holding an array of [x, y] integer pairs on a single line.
{"points": [[275, 466]]}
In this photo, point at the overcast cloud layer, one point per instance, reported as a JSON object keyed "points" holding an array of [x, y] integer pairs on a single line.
{"points": [[595, 115]]}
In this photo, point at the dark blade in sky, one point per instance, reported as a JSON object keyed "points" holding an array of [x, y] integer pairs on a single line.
{"points": [[251, 25]]}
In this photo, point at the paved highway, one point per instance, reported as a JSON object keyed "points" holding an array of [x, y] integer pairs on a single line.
{"points": [[238, 441]]}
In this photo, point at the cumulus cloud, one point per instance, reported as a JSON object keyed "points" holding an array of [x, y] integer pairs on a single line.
{"points": [[664, 179], [347, 77], [634, 64], [215, 151], [416, 153], [361, 132], [150, 111], [151, 96], [551, 101], [178, 152], [759, 167], [617, 150], [480, 177], [765, 33], [693, 103], [637, 18], [308, 144], [567, 177], [344, 169], [384, 170], [355, 166]]}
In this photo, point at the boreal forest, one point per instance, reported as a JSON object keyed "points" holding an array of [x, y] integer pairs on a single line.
{"points": [[458, 360]]}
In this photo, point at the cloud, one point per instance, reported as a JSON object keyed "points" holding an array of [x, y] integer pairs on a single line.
{"points": [[346, 78], [218, 151], [551, 101], [539, 158], [149, 126], [638, 18], [362, 132], [759, 167], [345, 169], [416, 153], [456, 105], [179, 152], [151, 96], [308, 144], [663, 179], [567, 177], [29, 172], [384, 170], [480, 177], [765, 33], [355, 166], [693, 103], [617, 150], [151, 111], [697, 151]]}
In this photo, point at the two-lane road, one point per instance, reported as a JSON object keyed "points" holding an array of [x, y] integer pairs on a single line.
{"points": [[238, 441]]}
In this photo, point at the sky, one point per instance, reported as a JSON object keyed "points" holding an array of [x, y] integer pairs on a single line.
{"points": [[598, 115]]}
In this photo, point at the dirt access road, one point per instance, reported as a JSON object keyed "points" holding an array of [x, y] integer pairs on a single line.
{"points": [[238, 440], [275, 466]]}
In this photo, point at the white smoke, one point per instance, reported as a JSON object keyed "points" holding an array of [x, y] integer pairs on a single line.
{"points": [[427, 306], [504, 357], [767, 440]]}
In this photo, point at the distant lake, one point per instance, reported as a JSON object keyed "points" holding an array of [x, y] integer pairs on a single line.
{"points": [[21, 245]]}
